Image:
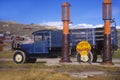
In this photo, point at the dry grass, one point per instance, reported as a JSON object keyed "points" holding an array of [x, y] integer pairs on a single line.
{"points": [[117, 54], [81, 68], [33, 74], [38, 71], [6, 54], [43, 74], [11, 74], [106, 77], [46, 74]]}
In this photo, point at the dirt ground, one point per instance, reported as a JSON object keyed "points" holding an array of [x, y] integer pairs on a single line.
{"points": [[56, 61]]}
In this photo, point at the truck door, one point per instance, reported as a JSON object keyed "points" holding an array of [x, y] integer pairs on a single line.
{"points": [[41, 43]]}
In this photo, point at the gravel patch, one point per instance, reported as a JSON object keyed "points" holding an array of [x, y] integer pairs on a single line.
{"points": [[87, 74]]}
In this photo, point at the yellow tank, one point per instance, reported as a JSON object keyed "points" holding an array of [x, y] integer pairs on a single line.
{"points": [[83, 46]]}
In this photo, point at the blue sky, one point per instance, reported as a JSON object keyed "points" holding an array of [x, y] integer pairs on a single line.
{"points": [[41, 11]]}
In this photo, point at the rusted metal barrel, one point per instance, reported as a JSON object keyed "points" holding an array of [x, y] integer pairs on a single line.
{"points": [[107, 17], [65, 33], [107, 10]]}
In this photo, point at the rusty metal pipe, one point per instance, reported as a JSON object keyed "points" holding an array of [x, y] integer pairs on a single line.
{"points": [[65, 49], [107, 17], [65, 33], [107, 55]]}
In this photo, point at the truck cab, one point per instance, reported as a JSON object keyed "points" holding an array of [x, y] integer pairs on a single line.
{"points": [[46, 43]]}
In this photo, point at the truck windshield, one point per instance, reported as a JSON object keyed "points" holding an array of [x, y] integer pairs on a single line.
{"points": [[38, 37]]}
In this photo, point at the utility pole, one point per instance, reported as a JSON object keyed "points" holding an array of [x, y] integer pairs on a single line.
{"points": [[65, 33], [107, 17]]}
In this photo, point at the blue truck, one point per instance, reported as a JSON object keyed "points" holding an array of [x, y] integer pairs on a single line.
{"points": [[48, 43]]}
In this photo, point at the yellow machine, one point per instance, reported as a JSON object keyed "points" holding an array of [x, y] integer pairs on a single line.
{"points": [[84, 53]]}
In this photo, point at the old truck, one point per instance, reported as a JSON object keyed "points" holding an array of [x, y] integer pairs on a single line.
{"points": [[48, 43]]}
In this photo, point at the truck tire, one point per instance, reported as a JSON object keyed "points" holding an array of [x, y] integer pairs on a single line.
{"points": [[19, 57], [94, 58], [31, 60], [78, 57], [90, 55]]}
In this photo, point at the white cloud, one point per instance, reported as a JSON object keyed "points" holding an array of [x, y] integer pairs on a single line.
{"points": [[56, 24], [118, 27], [84, 25], [59, 25], [98, 25]]}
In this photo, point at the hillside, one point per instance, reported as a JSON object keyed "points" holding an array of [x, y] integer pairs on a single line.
{"points": [[21, 29]]}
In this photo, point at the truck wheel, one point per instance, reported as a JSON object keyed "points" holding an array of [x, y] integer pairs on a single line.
{"points": [[31, 60], [78, 57], [19, 57], [90, 55], [94, 58]]}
